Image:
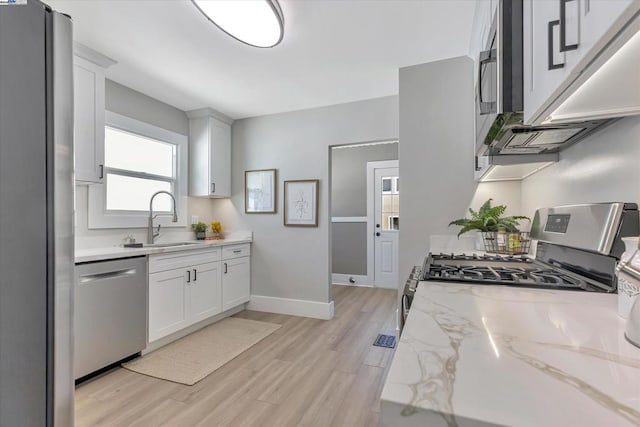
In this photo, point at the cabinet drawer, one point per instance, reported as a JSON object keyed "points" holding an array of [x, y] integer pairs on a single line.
{"points": [[170, 261], [236, 251]]}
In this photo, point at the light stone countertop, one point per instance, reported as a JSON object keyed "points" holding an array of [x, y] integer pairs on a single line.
{"points": [[478, 355], [115, 252]]}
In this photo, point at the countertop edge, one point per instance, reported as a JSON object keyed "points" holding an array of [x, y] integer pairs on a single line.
{"points": [[118, 252]]}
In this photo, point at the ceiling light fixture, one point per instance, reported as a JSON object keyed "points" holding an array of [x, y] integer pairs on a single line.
{"points": [[258, 23]]}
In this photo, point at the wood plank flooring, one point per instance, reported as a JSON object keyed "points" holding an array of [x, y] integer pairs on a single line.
{"points": [[308, 373]]}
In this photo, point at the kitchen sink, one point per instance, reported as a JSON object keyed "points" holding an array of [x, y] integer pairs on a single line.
{"points": [[170, 245]]}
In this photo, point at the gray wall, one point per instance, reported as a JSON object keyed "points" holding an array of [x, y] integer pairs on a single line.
{"points": [[436, 151], [349, 176], [601, 168], [128, 102], [349, 248], [436, 156], [349, 199], [292, 262]]}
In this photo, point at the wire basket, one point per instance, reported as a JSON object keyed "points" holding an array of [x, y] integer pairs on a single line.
{"points": [[509, 243]]}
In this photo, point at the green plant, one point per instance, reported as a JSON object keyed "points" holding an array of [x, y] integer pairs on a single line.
{"points": [[199, 227], [488, 218]]}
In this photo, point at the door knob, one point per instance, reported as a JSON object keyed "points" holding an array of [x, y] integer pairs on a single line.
{"points": [[377, 225], [378, 234]]}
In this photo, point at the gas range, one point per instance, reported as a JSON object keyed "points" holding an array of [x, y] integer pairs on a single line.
{"points": [[490, 269], [578, 249]]}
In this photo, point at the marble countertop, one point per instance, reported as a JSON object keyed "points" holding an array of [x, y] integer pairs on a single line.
{"points": [[114, 252], [477, 355]]}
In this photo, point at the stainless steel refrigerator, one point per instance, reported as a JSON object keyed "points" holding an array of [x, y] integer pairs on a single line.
{"points": [[36, 216]]}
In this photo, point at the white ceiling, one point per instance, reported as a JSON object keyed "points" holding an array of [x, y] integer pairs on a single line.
{"points": [[334, 51]]}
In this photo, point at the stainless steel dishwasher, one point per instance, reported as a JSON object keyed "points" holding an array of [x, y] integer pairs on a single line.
{"points": [[110, 312]]}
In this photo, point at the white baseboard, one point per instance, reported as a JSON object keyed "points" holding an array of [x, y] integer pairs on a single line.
{"points": [[351, 284], [293, 307], [344, 279]]}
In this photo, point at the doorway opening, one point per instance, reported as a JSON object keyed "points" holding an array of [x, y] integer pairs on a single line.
{"points": [[365, 217]]}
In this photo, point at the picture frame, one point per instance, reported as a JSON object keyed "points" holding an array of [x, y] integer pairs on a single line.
{"points": [[301, 203], [260, 191]]}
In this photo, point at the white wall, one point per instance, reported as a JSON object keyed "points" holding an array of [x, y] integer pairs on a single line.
{"points": [[601, 168], [436, 156], [128, 102], [292, 262]]}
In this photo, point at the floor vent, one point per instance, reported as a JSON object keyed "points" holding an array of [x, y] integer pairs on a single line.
{"points": [[388, 341]]}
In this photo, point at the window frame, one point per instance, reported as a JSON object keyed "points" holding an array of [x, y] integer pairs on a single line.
{"points": [[100, 217]]}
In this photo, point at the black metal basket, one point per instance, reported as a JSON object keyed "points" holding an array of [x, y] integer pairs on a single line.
{"points": [[509, 243]]}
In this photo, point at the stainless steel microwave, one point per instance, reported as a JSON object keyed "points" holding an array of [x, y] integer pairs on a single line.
{"points": [[500, 130]]}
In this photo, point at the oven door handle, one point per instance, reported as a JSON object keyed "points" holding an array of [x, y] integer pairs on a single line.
{"points": [[405, 306], [486, 57]]}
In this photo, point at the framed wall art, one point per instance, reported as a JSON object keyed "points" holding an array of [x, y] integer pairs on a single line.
{"points": [[301, 203], [260, 191]]}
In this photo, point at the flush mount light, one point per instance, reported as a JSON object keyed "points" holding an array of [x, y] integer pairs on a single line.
{"points": [[258, 23]]}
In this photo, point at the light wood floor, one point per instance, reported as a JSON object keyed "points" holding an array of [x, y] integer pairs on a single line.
{"points": [[308, 373]]}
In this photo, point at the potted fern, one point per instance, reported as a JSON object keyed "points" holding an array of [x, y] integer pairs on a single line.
{"points": [[499, 233]]}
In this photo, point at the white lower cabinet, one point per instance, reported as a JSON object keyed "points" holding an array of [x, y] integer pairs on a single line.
{"points": [[204, 291], [167, 303], [236, 282], [184, 288], [188, 287]]}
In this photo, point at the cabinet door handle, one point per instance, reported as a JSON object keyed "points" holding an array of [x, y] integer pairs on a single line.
{"points": [[188, 276], [101, 171], [237, 251], [225, 268], [195, 275], [486, 57], [563, 28], [552, 65], [213, 187]]}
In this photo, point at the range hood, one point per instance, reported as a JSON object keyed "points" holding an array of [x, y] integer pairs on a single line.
{"points": [[500, 128], [509, 136]]}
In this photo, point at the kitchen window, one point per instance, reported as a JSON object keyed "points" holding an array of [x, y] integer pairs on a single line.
{"points": [[137, 166], [140, 159]]}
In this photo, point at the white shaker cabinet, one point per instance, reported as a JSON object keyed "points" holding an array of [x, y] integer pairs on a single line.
{"points": [[204, 291], [167, 303], [209, 155], [184, 288], [89, 69], [561, 39], [236, 275]]}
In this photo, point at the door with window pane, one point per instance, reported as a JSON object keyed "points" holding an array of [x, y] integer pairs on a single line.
{"points": [[387, 226]]}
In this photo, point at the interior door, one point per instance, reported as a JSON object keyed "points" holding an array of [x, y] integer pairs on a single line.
{"points": [[386, 226]]}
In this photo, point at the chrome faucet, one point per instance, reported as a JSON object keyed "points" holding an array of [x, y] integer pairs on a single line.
{"points": [[151, 235]]}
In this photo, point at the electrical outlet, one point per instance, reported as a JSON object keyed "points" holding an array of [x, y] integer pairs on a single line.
{"points": [[194, 219]]}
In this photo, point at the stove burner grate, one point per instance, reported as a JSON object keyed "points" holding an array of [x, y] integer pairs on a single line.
{"points": [[515, 275]]}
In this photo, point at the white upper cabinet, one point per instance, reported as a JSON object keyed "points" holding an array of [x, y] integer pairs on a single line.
{"points": [[89, 98], [209, 154], [564, 41]]}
